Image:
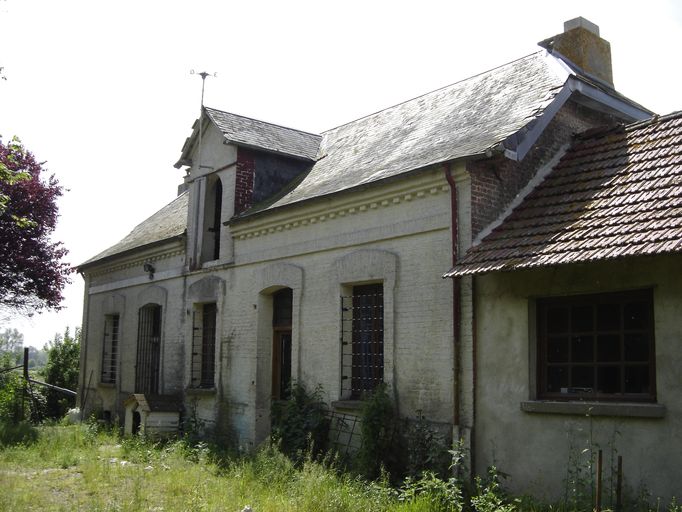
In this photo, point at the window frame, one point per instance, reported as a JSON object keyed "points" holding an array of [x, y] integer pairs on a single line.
{"points": [[203, 348], [352, 327], [593, 301], [111, 340]]}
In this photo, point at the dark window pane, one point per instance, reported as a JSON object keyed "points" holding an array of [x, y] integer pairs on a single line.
{"points": [[557, 378], [557, 350], [581, 318], [281, 307], [608, 348], [582, 377], [557, 319], [608, 317], [636, 347], [636, 315], [582, 350], [637, 379], [608, 379]]}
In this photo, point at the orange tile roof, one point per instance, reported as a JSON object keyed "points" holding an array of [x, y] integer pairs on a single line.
{"points": [[615, 193]]}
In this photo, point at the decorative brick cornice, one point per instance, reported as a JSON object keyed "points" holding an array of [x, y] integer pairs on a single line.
{"points": [[136, 262], [353, 204]]}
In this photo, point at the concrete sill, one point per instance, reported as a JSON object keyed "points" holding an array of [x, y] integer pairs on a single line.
{"points": [[347, 405], [622, 409], [110, 385], [200, 391]]}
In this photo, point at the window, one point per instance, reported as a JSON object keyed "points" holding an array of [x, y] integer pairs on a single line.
{"points": [[203, 345], [212, 219], [110, 349], [362, 339], [281, 343], [148, 349], [597, 347]]}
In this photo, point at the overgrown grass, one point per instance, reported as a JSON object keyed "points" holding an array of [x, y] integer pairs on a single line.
{"points": [[80, 468]]}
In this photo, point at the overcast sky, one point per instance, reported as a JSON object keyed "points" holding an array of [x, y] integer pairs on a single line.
{"points": [[102, 91]]}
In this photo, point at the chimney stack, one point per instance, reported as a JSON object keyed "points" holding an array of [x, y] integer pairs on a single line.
{"points": [[581, 46]]}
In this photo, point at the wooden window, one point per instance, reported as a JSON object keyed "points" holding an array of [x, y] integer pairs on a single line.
{"points": [[597, 347], [203, 345], [281, 343], [110, 349], [363, 339]]}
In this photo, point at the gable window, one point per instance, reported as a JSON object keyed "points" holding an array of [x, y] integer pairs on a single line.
{"points": [[596, 347], [362, 339], [212, 219], [203, 345], [110, 349], [281, 343]]}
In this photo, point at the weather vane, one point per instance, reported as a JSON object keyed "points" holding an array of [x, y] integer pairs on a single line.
{"points": [[203, 75]]}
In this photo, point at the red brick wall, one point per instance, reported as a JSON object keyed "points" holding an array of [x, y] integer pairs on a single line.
{"points": [[243, 190], [496, 181]]}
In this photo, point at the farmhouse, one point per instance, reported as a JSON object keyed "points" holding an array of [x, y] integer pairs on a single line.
{"points": [[290, 256]]}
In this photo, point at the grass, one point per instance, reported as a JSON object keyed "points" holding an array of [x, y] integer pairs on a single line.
{"points": [[78, 468]]}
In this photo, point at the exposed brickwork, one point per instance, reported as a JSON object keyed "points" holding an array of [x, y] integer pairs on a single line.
{"points": [[496, 181], [243, 189]]}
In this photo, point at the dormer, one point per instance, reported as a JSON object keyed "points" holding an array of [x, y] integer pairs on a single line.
{"points": [[232, 163]]}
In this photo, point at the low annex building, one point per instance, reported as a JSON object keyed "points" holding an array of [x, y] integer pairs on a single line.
{"points": [[319, 257]]}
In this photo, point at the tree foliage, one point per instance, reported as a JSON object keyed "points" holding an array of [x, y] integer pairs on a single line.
{"points": [[62, 368], [32, 273]]}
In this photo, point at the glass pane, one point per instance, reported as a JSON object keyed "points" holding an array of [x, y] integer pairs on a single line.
{"points": [[608, 348], [557, 350], [608, 317], [557, 319], [637, 379], [636, 315], [557, 378], [608, 379], [636, 347], [582, 349], [582, 377], [581, 318]]}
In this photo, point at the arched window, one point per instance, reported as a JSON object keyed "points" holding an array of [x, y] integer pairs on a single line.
{"points": [[281, 343], [148, 349]]}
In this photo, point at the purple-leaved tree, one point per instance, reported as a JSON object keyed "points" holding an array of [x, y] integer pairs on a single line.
{"points": [[32, 273]]}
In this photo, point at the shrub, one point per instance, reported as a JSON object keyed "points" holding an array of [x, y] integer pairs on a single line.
{"points": [[301, 423], [21, 432]]}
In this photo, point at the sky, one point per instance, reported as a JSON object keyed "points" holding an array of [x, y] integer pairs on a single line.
{"points": [[106, 92]]}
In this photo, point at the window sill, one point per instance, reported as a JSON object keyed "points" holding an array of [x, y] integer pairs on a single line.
{"points": [[347, 405], [200, 391], [110, 385], [623, 409]]}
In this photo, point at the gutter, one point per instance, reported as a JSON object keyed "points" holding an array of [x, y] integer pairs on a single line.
{"points": [[456, 296]]}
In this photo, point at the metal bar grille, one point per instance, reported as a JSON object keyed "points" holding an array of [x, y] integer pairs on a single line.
{"points": [[362, 338], [203, 346], [148, 349], [110, 349]]}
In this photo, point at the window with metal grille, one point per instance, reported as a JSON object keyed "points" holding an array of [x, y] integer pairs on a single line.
{"points": [[597, 346], [110, 349], [147, 368], [203, 345], [362, 339]]}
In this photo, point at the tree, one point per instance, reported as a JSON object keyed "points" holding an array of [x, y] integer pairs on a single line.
{"points": [[32, 273], [12, 344], [62, 368]]}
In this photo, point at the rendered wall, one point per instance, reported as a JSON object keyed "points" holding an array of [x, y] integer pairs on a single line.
{"points": [[535, 448]]}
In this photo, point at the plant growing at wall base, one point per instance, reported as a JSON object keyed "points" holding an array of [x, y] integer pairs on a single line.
{"points": [[382, 447], [301, 423]]}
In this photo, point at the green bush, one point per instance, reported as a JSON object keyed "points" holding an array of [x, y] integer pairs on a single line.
{"points": [[13, 433], [301, 423]]}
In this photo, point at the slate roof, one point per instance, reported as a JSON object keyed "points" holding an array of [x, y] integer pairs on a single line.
{"points": [[463, 119], [169, 222], [615, 193]]}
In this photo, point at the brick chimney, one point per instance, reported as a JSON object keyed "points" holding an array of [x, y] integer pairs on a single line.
{"points": [[581, 45]]}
